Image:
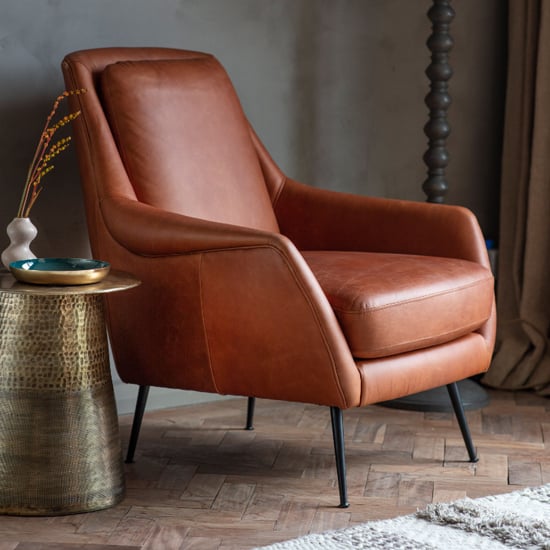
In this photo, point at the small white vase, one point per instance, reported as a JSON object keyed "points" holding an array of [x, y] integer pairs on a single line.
{"points": [[21, 232]]}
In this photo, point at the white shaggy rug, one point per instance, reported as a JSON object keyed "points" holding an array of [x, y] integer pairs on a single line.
{"points": [[515, 520]]}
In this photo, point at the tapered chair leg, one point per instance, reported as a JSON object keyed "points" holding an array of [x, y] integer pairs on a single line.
{"points": [[339, 453], [143, 394], [456, 400], [250, 413]]}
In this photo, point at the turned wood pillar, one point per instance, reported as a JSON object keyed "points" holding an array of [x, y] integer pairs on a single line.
{"points": [[438, 100]]}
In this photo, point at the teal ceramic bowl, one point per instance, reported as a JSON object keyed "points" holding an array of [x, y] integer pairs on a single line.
{"points": [[59, 271]]}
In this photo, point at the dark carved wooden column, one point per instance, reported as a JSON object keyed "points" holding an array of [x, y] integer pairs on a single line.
{"points": [[438, 100], [436, 158]]}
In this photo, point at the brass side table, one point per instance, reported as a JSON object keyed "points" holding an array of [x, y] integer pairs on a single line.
{"points": [[59, 442]]}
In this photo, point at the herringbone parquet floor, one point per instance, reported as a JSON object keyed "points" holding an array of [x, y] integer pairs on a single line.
{"points": [[201, 481]]}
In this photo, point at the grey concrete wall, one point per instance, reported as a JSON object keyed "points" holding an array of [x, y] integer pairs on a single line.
{"points": [[335, 88]]}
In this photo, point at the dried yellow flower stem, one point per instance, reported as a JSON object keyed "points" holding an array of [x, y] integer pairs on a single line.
{"points": [[44, 153]]}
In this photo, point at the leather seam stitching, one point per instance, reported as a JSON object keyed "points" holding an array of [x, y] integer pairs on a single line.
{"points": [[279, 192], [411, 341], [364, 309], [210, 366]]}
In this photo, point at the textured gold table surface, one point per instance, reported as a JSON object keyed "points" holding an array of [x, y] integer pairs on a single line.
{"points": [[59, 442], [115, 281]]}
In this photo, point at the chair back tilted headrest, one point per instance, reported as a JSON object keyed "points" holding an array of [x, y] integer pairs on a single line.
{"points": [[185, 141]]}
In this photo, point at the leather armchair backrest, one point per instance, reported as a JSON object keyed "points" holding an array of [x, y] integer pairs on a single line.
{"points": [[185, 141]]}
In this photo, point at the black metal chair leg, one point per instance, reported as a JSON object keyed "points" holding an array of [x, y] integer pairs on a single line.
{"points": [[250, 413], [456, 400], [143, 394], [339, 453]]}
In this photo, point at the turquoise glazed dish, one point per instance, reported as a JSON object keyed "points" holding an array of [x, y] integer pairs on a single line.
{"points": [[59, 271]]}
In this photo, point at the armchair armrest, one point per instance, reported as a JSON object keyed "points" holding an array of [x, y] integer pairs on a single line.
{"points": [[148, 231], [317, 219]]}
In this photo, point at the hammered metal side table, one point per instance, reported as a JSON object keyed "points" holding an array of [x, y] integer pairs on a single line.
{"points": [[59, 441]]}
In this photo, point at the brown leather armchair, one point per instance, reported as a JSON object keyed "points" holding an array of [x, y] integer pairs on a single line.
{"points": [[254, 284]]}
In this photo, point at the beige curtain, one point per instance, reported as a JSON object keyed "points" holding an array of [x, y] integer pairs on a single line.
{"points": [[522, 357]]}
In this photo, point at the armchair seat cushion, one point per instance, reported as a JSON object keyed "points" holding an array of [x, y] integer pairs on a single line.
{"points": [[394, 303]]}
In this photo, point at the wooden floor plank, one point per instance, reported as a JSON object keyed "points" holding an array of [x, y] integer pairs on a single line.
{"points": [[296, 516], [166, 538]]}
